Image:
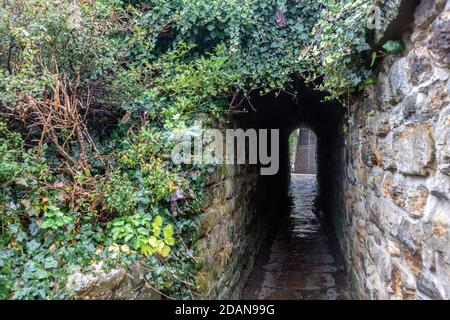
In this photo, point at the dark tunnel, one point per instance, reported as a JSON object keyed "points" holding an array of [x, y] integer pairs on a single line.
{"points": [[302, 210]]}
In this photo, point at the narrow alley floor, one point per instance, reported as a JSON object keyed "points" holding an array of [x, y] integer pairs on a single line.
{"points": [[300, 262]]}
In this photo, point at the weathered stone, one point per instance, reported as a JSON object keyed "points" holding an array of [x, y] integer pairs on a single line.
{"points": [[383, 127], [370, 102], [421, 67], [443, 265], [115, 284], [416, 201], [409, 105], [398, 79], [375, 179], [385, 215], [385, 154], [426, 12], [427, 286], [396, 282], [397, 192], [443, 142], [396, 17], [368, 156], [210, 219], [384, 90], [439, 186], [438, 98], [411, 199], [439, 42], [374, 283], [393, 248], [414, 150], [402, 284], [386, 185], [440, 227], [410, 236]]}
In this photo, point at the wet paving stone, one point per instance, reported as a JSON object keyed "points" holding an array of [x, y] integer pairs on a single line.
{"points": [[299, 262]]}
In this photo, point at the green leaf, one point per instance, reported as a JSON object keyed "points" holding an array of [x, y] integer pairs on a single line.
{"points": [[168, 231], [170, 241], [46, 224], [158, 221], [371, 80], [393, 46], [127, 237], [165, 251], [374, 58], [153, 241], [156, 231]]}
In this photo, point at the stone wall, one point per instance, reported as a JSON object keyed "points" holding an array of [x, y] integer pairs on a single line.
{"points": [[225, 245], [395, 230], [233, 227]]}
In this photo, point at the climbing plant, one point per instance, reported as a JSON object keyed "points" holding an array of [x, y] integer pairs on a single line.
{"points": [[90, 95]]}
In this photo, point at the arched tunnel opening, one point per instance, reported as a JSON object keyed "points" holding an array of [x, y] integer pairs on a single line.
{"points": [[300, 258], [303, 151]]}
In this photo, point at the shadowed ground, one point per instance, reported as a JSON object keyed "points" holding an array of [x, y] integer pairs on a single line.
{"points": [[300, 262]]}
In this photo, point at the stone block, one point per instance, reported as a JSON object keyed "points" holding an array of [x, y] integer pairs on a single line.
{"points": [[399, 81], [410, 198], [439, 41], [410, 238], [438, 98], [415, 150], [403, 286], [114, 284], [426, 12], [384, 90], [439, 227], [409, 105], [426, 285], [385, 215], [385, 153], [416, 201], [421, 66]]}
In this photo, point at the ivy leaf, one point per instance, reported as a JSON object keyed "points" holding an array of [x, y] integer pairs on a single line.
{"points": [[370, 80], [393, 46], [33, 245], [127, 237], [170, 241], [168, 231], [46, 224], [165, 251], [156, 231], [147, 250], [50, 263], [158, 221], [374, 58], [153, 241]]}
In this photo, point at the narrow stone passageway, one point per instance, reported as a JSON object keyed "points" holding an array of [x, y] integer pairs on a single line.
{"points": [[300, 262]]}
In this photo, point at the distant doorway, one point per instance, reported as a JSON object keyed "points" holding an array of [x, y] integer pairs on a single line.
{"points": [[304, 153]]}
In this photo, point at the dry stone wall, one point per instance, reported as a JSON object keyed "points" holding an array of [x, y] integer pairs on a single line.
{"points": [[395, 230]]}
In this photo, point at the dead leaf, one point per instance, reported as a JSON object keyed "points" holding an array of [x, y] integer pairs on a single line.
{"points": [[26, 203], [22, 182]]}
